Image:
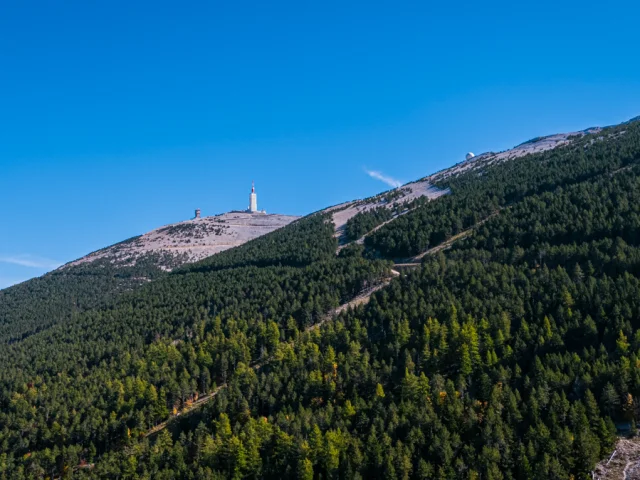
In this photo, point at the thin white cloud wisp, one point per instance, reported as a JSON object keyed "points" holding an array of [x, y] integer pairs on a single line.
{"points": [[392, 182], [30, 261]]}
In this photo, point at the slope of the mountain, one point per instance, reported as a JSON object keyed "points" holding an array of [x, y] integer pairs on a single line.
{"points": [[190, 240], [513, 354], [99, 277], [54, 298], [481, 190], [357, 219]]}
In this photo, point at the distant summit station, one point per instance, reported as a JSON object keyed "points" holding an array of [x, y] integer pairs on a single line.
{"points": [[192, 240]]}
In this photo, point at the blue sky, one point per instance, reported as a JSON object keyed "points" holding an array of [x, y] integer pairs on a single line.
{"points": [[118, 117]]}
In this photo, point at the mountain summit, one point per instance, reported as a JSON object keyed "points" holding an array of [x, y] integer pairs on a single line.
{"points": [[189, 241]]}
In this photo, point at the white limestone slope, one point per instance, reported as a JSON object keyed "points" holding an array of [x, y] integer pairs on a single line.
{"points": [[191, 240]]}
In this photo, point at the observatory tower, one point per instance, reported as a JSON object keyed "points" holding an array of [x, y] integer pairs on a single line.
{"points": [[253, 199]]}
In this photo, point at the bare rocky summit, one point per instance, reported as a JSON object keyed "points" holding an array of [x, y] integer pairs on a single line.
{"points": [[189, 241]]}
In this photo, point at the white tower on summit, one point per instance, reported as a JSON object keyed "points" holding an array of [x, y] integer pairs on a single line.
{"points": [[253, 199]]}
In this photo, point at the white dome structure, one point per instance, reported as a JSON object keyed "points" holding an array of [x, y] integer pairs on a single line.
{"points": [[469, 156]]}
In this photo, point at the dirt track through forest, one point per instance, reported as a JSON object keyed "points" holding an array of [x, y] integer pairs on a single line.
{"points": [[360, 299]]}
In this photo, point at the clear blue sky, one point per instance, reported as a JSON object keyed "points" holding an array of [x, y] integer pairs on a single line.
{"points": [[118, 117]]}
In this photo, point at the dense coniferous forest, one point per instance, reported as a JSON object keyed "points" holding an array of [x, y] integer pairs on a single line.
{"points": [[511, 355]]}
